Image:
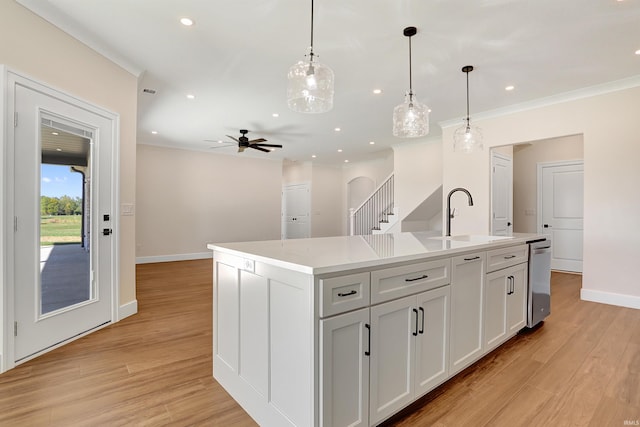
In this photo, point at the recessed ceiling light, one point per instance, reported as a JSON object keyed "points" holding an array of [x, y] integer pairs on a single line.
{"points": [[510, 87], [372, 142], [187, 22], [346, 161], [191, 96], [339, 150], [377, 91], [638, 52], [275, 115], [58, 149], [429, 109], [155, 132], [313, 156], [55, 133], [337, 129], [219, 141]]}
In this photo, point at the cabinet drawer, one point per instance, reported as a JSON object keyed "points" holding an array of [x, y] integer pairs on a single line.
{"points": [[506, 257], [397, 282], [344, 293]]}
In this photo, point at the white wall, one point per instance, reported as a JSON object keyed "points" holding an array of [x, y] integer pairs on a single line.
{"points": [[525, 159], [418, 173], [187, 199], [326, 201], [610, 127]]}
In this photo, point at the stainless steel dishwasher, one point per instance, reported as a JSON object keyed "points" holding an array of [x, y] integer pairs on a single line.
{"points": [[539, 298]]}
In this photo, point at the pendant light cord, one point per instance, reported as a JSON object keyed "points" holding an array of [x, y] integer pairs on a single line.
{"points": [[410, 74], [467, 98], [311, 51]]}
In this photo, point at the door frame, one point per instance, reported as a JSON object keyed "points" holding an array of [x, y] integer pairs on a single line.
{"points": [[8, 80]]}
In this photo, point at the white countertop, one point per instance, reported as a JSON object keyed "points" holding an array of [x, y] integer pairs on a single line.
{"points": [[323, 255]]}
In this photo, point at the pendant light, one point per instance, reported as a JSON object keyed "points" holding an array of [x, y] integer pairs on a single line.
{"points": [[411, 118], [467, 138], [310, 88]]}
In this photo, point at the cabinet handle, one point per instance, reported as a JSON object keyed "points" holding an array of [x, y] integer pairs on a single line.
{"points": [[352, 292], [471, 259], [509, 257], [511, 280], [368, 352], [415, 333], [424, 276], [421, 331]]}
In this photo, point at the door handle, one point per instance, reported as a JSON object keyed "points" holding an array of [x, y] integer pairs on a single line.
{"points": [[106, 231], [546, 226], [508, 224], [421, 331], [415, 333]]}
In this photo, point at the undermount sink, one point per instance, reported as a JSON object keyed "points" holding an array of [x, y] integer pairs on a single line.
{"points": [[474, 238]]}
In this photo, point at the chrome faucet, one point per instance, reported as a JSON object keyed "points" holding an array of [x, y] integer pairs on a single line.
{"points": [[449, 213]]}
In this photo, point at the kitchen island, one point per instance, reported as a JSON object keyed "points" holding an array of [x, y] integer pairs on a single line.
{"points": [[347, 331]]}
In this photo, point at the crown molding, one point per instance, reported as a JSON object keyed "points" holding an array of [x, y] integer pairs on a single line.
{"points": [[51, 14]]}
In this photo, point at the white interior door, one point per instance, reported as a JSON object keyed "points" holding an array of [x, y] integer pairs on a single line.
{"points": [[501, 195], [58, 296], [561, 202], [296, 202]]}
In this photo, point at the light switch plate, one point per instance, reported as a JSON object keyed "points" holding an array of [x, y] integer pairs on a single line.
{"points": [[127, 209], [248, 265]]}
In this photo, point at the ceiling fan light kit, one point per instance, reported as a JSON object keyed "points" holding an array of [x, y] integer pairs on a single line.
{"points": [[411, 118], [467, 138], [310, 83]]}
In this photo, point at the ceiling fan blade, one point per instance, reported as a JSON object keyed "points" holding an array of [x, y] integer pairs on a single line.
{"points": [[255, 147], [222, 146], [269, 145], [229, 136], [253, 141]]}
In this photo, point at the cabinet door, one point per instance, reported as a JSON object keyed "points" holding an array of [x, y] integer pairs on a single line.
{"points": [[517, 301], [344, 370], [432, 345], [495, 308], [393, 325], [467, 296], [505, 304]]}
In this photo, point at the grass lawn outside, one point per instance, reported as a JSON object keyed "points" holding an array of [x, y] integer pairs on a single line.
{"points": [[60, 229]]}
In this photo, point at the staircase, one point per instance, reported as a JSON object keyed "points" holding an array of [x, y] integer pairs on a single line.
{"points": [[377, 214]]}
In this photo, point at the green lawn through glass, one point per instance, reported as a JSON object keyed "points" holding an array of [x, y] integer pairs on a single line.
{"points": [[60, 229]]}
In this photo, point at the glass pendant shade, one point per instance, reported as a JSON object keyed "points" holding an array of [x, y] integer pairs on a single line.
{"points": [[310, 88], [411, 118], [467, 138]]}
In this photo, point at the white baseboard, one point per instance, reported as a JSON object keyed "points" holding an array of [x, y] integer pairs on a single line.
{"points": [[171, 258], [630, 301], [128, 309]]}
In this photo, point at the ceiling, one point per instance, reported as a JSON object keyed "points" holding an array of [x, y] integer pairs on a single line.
{"points": [[235, 59]]}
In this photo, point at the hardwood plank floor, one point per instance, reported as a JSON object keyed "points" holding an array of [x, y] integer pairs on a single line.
{"points": [[581, 368]]}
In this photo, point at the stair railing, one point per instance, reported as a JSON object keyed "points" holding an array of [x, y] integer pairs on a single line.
{"points": [[373, 211]]}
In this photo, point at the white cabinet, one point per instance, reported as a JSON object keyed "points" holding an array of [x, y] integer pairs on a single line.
{"points": [[467, 289], [344, 369], [505, 304], [409, 339]]}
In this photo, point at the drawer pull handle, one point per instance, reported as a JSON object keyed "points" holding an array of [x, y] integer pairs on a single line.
{"points": [[424, 276], [509, 257], [368, 352], [471, 259], [340, 294]]}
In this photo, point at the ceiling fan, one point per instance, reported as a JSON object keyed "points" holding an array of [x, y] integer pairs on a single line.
{"points": [[256, 144]]}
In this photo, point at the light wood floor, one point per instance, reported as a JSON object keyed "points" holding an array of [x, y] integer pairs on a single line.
{"points": [[581, 368]]}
